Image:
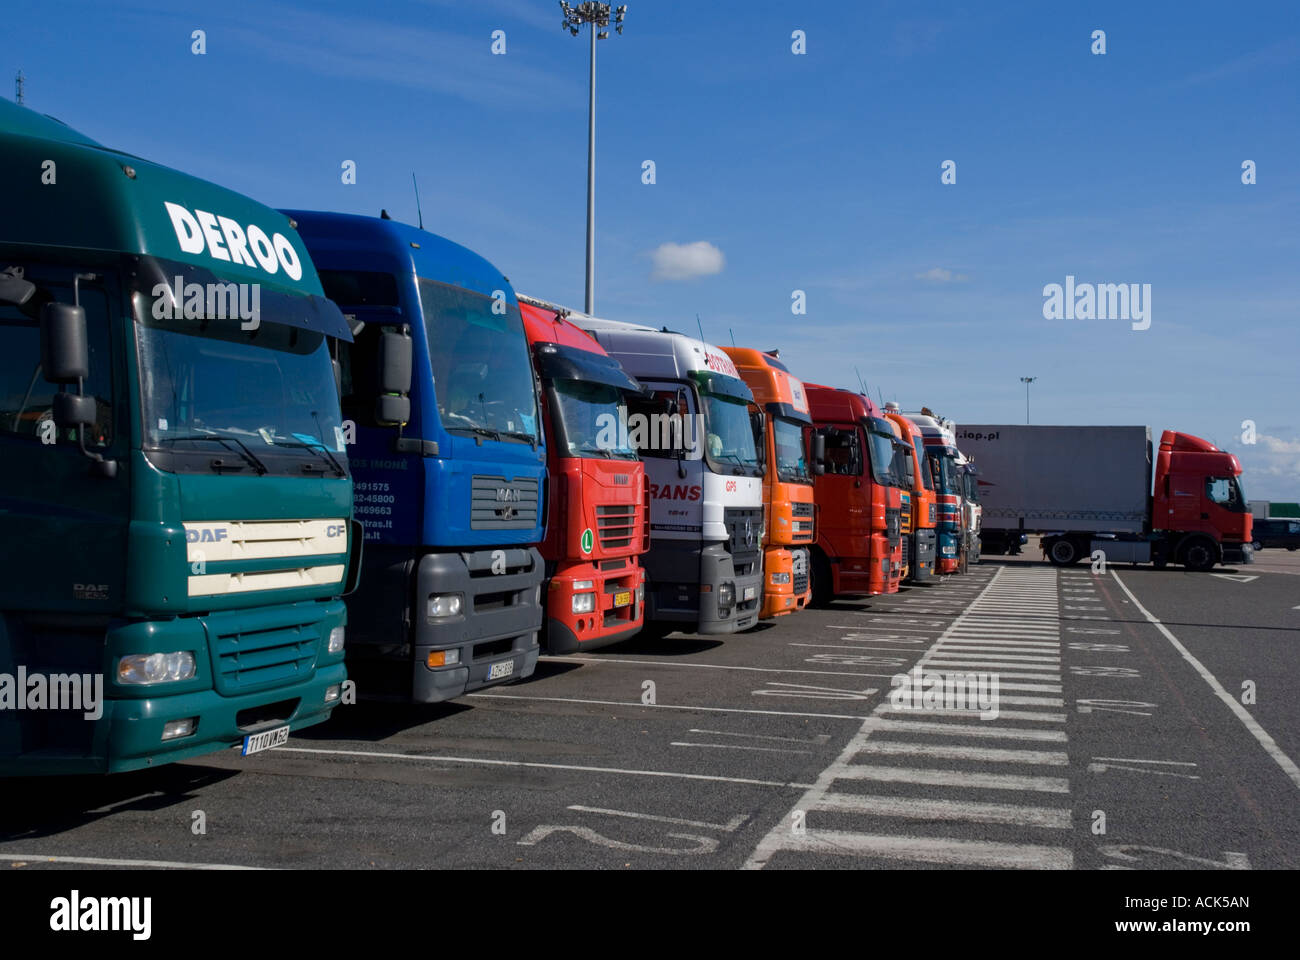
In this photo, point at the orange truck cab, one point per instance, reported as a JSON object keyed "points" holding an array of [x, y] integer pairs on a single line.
{"points": [[902, 470], [920, 537], [787, 481], [597, 498]]}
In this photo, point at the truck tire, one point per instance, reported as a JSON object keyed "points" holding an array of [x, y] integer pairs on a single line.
{"points": [[1198, 554], [820, 572], [1062, 552]]}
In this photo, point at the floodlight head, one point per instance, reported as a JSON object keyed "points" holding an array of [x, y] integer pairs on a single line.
{"points": [[603, 35]]}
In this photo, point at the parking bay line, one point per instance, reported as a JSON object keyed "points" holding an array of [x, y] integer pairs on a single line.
{"points": [[538, 765], [710, 666], [673, 706], [1267, 742], [36, 858]]}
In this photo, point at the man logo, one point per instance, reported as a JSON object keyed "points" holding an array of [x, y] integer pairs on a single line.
{"points": [[508, 495]]}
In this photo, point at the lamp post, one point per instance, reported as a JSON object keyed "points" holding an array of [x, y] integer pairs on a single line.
{"points": [[1027, 381], [597, 17]]}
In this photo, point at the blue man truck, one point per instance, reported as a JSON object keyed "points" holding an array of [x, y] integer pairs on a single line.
{"points": [[449, 461], [175, 503]]}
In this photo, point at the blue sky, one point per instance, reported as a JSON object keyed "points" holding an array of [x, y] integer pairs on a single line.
{"points": [[818, 172]]}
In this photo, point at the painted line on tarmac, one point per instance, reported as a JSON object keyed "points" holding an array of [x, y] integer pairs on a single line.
{"points": [[706, 666], [739, 746], [1250, 723], [36, 858], [731, 826], [537, 765], [674, 706]]}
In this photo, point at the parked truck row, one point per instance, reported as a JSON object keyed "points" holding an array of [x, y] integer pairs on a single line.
{"points": [[257, 461]]}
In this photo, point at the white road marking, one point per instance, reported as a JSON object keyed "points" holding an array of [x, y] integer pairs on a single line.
{"points": [[36, 858], [533, 764], [950, 852], [983, 729], [820, 738], [739, 746], [703, 666], [899, 748], [894, 712], [1176, 763], [925, 808], [668, 706], [542, 831], [731, 826], [1250, 723]]}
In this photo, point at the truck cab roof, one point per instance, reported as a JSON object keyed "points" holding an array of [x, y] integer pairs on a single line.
{"points": [[138, 207]]}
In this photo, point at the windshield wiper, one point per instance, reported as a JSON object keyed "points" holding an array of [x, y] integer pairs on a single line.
{"points": [[226, 442], [477, 431], [315, 448], [607, 454]]}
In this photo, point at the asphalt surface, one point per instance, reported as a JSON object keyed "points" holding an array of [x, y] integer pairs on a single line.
{"points": [[1114, 746]]}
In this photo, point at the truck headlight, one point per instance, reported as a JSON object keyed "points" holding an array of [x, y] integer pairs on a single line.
{"points": [[442, 605], [156, 667], [780, 578], [726, 595], [584, 602], [336, 640]]}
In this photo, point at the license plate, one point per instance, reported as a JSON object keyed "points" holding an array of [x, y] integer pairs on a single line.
{"points": [[502, 669], [751, 593], [257, 742], [623, 598]]}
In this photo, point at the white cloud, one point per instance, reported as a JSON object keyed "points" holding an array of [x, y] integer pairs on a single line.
{"points": [[941, 275], [1278, 445], [685, 261]]}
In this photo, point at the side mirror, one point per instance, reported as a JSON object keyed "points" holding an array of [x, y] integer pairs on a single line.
{"points": [[393, 405], [818, 453], [13, 288], [65, 356]]}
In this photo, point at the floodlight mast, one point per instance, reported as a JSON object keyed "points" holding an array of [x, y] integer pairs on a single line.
{"points": [[597, 17]]}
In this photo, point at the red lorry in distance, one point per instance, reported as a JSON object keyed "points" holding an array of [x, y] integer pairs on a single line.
{"points": [[597, 498], [859, 544], [1094, 491]]}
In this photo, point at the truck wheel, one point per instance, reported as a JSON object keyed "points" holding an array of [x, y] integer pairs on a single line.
{"points": [[1063, 552], [1199, 554], [820, 572]]}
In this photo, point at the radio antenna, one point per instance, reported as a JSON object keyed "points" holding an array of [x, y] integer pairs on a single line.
{"points": [[700, 326], [418, 211]]}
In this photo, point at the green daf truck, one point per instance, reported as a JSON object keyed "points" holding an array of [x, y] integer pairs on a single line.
{"points": [[176, 524]]}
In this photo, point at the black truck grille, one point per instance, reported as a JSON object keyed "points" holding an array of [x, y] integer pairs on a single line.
{"points": [[893, 525], [744, 535], [500, 504], [799, 572], [800, 509]]}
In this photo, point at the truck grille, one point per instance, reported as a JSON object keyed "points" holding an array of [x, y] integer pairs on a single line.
{"points": [[616, 525], [254, 659], [801, 510], [893, 523], [799, 571], [744, 536], [498, 504]]}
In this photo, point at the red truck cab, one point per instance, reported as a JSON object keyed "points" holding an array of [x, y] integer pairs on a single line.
{"points": [[597, 498], [1198, 504], [859, 546]]}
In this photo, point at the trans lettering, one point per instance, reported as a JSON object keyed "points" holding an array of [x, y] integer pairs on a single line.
{"points": [[678, 491]]}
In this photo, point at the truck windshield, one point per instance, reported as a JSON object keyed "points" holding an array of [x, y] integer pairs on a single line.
{"points": [[481, 370], [1227, 493], [587, 420], [729, 435], [881, 441], [927, 480], [945, 471], [266, 395], [903, 465], [791, 462]]}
